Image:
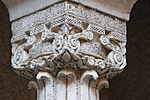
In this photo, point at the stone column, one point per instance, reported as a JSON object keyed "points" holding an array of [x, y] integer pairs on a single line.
{"points": [[69, 49]]}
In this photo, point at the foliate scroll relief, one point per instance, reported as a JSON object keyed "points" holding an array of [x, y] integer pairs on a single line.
{"points": [[68, 36]]}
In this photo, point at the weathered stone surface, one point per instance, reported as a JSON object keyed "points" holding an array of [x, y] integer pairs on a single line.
{"points": [[132, 84], [67, 49], [136, 87], [118, 8], [68, 32]]}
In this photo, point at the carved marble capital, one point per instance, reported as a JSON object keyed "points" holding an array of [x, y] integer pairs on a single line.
{"points": [[66, 43]]}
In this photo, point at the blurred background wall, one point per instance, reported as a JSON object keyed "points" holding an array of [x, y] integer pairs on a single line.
{"points": [[12, 86]]}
